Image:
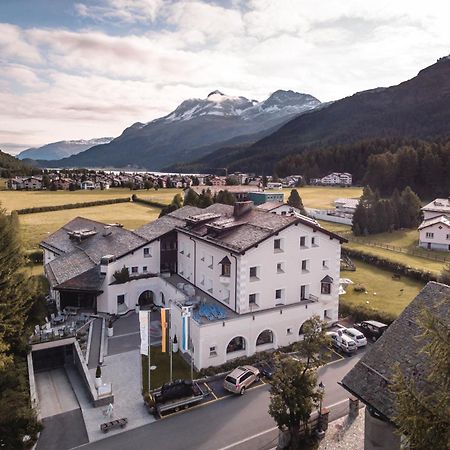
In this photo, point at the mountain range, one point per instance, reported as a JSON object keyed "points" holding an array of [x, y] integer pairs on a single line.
{"points": [[194, 129], [61, 149], [417, 108]]}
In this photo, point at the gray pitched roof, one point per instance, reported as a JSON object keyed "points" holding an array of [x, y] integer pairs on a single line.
{"points": [[370, 379], [79, 256]]}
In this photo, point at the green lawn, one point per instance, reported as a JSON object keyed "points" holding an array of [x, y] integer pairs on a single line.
{"points": [[35, 227], [383, 293], [322, 197], [161, 375]]}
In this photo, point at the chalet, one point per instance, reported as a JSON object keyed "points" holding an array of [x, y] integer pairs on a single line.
{"points": [[434, 231]]}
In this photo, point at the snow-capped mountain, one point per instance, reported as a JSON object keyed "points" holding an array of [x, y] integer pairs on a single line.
{"points": [[195, 128], [219, 104], [61, 149]]}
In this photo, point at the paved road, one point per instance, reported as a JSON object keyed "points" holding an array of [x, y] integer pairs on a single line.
{"points": [[233, 423]]}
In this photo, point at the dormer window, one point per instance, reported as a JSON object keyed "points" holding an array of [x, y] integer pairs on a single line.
{"points": [[226, 267], [325, 285]]}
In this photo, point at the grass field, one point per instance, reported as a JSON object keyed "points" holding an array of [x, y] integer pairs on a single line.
{"points": [[384, 293], [2, 184], [35, 227], [322, 197], [404, 239]]}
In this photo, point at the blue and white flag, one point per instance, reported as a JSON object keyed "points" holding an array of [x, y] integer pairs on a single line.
{"points": [[185, 314]]}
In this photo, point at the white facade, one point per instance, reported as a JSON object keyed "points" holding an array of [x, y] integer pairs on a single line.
{"points": [[335, 178], [434, 231], [434, 234], [275, 285]]}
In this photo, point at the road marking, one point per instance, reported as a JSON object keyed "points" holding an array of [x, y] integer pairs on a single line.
{"points": [[242, 441], [262, 381], [210, 390]]}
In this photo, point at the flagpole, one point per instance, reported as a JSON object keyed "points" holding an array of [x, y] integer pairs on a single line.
{"points": [[149, 386], [170, 345]]}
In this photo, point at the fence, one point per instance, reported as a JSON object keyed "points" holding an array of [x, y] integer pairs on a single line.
{"points": [[419, 253]]}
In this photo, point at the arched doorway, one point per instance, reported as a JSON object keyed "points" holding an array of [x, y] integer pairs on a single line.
{"points": [[146, 300], [236, 344], [265, 337]]}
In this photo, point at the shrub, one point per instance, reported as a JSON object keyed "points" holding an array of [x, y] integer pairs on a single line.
{"points": [[98, 372], [122, 275], [35, 256], [359, 288], [362, 312]]}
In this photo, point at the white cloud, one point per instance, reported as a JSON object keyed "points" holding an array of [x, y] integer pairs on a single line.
{"points": [[127, 11], [61, 83]]}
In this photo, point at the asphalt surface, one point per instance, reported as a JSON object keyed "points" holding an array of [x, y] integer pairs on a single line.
{"points": [[63, 431], [234, 422]]}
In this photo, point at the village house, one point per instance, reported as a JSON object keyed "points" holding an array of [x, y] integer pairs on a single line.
{"points": [[434, 231], [218, 181], [371, 378], [250, 278]]}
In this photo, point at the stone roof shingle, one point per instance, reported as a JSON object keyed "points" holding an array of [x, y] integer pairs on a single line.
{"points": [[370, 378]]}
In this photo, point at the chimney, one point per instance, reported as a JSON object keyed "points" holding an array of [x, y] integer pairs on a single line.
{"points": [[241, 208]]}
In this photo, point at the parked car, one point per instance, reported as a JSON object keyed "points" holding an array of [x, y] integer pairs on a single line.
{"points": [[356, 335], [240, 379], [265, 369], [372, 329], [342, 342]]}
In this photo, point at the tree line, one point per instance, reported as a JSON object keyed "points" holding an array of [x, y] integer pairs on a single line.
{"points": [[377, 215], [21, 306], [384, 164]]}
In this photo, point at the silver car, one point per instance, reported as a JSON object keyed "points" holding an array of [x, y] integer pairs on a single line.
{"points": [[240, 379]]}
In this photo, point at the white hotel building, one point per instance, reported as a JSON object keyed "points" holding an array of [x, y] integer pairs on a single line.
{"points": [[252, 278]]}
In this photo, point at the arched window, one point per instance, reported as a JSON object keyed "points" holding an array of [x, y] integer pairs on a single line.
{"points": [[236, 344], [265, 337]]}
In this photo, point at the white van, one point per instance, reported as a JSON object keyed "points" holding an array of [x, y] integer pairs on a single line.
{"points": [[342, 342]]}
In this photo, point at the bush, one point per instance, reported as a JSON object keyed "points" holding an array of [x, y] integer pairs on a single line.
{"points": [[122, 275], [361, 312], [360, 288], [39, 209], [98, 372], [35, 256], [401, 269]]}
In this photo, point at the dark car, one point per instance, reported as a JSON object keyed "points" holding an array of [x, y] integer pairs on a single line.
{"points": [[265, 369], [371, 329]]}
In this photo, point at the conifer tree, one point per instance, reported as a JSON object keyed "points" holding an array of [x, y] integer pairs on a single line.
{"points": [[410, 208], [191, 198], [423, 417], [295, 201]]}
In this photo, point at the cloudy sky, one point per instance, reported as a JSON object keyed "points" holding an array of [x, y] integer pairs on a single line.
{"points": [[89, 68]]}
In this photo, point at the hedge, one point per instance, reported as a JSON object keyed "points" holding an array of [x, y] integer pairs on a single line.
{"points": [[362, 312], [396, 267], [40, 209], [136, 199]]}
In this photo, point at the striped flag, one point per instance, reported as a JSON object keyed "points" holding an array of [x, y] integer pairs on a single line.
{"points": [[185, 314], [164, 327]]}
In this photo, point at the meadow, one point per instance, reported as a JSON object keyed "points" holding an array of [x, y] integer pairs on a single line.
{"points": [[383, 292], [37, 226], [322, 197]]}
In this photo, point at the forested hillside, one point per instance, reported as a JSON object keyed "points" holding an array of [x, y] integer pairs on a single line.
{"points": [[10, 166], [384, 164]]}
